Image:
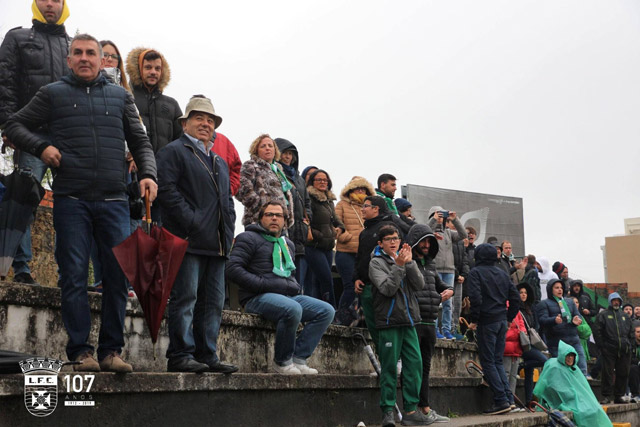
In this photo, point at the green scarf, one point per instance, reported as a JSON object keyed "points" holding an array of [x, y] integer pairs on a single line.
{"points": [[563, 303], [280, 250], [284, 182]]}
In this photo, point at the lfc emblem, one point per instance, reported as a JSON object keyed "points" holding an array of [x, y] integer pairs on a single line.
{"points": [[41, 385]]}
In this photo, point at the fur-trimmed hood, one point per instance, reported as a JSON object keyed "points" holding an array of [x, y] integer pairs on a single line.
{"points": [[357, 182], [133, 69], [321, 196]]}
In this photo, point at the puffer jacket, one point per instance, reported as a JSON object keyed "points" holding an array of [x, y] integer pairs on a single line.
{"points": [[159, 112], [394, 287], [324, 219], [512, 346], [250, 266], [429, 296], [584, 300], [195, 196], [350, 213], [490, 288], [30, 58], [259, 185], [444, 260], [367, 241], [547, 310], [88, 123], [615, 327], [300, 197]]}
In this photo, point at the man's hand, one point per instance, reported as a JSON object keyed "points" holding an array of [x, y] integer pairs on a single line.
{"points": [[150, 184], [51, 156], [6, 142], [358, 286], [132, 163], [460, 279], [452, 215], [558, 319], [439, 236], [577, 320], [446, 294], [522, 264], [473, 326], [404, 255]]}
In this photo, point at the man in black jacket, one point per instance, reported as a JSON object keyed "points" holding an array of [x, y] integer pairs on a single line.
{"points": [[29, 59], [196, 202], [88, 120], [586, 305], [489, 291], [262, 266]]}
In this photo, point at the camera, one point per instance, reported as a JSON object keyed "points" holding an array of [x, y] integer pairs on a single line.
{"points": [[444, 214]]}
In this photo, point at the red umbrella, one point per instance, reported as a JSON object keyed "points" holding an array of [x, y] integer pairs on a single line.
{"points": [[151, 262]]}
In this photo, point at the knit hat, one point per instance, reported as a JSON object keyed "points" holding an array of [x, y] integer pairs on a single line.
{"points": [[306, 170], [558, 267], [402, 204]]}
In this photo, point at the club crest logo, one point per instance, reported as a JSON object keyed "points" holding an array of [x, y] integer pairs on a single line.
{"points": [[41, 385]]}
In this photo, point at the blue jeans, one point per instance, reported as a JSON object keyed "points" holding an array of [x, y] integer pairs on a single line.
{"points": [[195, 309], [491, 337], [77, 223], [446, 305], [319, 262], [23, 254], [532, 359], [345, 264], [287, 313]]}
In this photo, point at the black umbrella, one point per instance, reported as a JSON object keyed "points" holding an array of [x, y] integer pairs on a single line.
{"points": [[17, 209]]}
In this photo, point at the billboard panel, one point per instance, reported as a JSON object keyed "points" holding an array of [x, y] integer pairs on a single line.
{"points": [[495, 218]]}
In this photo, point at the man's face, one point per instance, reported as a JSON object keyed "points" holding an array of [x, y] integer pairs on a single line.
{"points": [[200, 126], [390, 244], [287, 157], [575, 289], [84, 59], [472, 237], [273, 219], [637, 333], [627, 309], [151, 71], [506, 249], [424, 246], [565, 273], [50, 9], [636, 312], [615, 304], [570, 359], [388, 188], [369, 211], [406, 213]]}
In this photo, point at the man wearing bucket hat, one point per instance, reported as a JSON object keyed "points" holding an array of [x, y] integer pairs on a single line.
{"points": [[196, 204], [29, 59]]}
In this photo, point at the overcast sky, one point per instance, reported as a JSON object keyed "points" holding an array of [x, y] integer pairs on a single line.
{"points": [[532, 99]]}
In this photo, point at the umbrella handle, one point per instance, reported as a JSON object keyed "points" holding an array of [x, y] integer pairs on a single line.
{"points": [[147, 205]]}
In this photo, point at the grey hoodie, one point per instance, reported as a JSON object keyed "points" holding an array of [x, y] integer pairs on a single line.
{"points": [[444, 260]]}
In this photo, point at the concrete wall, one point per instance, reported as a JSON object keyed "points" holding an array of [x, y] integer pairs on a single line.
{"points": [[622, 260]]}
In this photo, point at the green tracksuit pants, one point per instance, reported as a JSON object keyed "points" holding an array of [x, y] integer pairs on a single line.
{"points": [[393, 344], [366, 301]]}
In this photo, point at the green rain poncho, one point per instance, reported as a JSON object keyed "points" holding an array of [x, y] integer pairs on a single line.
{"points": [[565, 388]]}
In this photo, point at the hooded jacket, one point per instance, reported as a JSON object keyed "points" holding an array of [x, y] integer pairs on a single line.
{"points": [[444, 261], [324, 219], [31, 58], [159, 112], [367, 241], [547, 310], [616, 331], [584, 300], [545, 275], [88, 123], [299, 195], [250, 266], [527, 307], [490, 289], [566, 388], [394, 287], [350, 213], [512, 346], [429, 296]]}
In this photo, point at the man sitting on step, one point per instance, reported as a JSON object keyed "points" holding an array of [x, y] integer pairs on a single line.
{"points": [[262, 267]]}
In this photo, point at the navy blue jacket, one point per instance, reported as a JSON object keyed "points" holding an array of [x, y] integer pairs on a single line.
{"points": [[490, 288], [250, 266], [547, 310], [88, 122], [195, 198]]}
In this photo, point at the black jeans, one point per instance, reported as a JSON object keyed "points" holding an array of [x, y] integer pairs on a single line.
{"points": [[620, 363], [427, 342]]}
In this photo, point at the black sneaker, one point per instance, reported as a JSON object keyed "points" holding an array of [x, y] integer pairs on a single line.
{"points": [[605, 401], [498, 409], [389, 420], [25, 278]]}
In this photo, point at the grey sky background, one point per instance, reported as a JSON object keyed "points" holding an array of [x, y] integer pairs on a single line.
{"points": [[532, 99]]}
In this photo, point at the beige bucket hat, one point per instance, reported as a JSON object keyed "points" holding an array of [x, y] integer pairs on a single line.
{"points": [[203, 105]]}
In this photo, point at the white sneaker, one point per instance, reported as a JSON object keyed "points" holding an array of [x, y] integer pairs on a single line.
{"points": [[289, 369], [304, 369]]}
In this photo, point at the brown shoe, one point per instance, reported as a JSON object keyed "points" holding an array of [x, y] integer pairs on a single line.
{"points": [[87, 363], [114, 363]]}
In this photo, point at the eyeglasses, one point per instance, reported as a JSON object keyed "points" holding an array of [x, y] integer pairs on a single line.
{"points": [[272, 214], [391, 239], [367, 206], [112, 56], [320, 180]]}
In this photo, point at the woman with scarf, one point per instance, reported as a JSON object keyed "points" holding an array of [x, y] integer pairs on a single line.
{"points": [[325, 227], [262, 179], [560, 319], [349, 211]]}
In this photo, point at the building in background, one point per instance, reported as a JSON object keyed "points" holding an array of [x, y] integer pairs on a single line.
{"points": [[621, 254]]}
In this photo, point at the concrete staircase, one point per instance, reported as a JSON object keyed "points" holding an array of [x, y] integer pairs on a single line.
{"points": [[344, 394]]}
